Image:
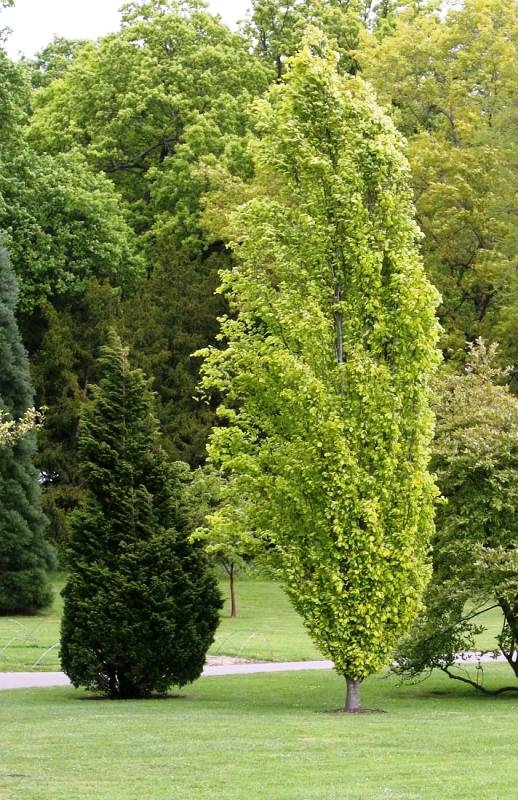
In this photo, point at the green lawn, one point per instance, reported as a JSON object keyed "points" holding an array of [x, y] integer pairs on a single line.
{"points": [[263, 737], [31, 642], [267, 628]]}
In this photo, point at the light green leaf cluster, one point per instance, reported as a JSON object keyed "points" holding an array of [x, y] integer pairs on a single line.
{"points": [[12, 430], [228, 543], [328, 352]]}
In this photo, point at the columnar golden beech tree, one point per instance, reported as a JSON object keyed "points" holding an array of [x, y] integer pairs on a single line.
{"points": [[325, 366]]}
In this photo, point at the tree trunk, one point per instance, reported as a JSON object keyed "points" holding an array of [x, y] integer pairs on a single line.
{"points": [[278, 66], [509, 643], [112, 684], [233, 603], [352, 700]]}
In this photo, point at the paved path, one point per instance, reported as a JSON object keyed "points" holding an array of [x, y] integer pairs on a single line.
{"points": [[32, 680], [28, 680]]}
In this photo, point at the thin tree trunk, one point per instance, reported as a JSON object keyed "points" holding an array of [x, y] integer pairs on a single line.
{"points": [[278, 66], [511, 620], [339, 328], [233, 602], [231, 572], [352, 700], [112, 684]]}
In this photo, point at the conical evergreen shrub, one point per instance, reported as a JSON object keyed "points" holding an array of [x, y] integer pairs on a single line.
{"points": [[25, 556], [141, 604]]}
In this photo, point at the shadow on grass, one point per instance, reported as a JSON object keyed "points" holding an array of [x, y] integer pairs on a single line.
{"points": [[101, 697]]}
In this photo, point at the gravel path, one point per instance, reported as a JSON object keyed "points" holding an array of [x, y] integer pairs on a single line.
{"points": [[216, 666]]}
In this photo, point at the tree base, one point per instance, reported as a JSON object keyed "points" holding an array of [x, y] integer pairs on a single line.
{"points": [[344, 710]]}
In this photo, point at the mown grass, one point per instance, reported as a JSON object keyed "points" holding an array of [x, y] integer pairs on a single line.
{"points": [[32, 642], [263, 737], [266, 629]]}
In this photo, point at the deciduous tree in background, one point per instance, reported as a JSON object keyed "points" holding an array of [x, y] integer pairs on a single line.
{"points": [[231, 546], [155, 107], [75, 257], [276, 28], [64, 226], [141, 605], [326, 365], [450, 82], [475, 547]]}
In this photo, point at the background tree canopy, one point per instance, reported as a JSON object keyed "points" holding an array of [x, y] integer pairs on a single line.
{"points": [[474, 549], [450, 80]]}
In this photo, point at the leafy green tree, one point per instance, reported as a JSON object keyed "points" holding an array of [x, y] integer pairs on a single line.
{"points": [[52, 61], [25, 557], [75, 256], [156, 107], [141, 605], [14, 97], [450, 80], [475, 547], [63, 225], [230, 546], [147, 103], [276, 27], [329, 350]]}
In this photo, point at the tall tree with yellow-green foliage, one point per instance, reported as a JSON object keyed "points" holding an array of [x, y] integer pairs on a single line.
{"points": [[325, 366]]}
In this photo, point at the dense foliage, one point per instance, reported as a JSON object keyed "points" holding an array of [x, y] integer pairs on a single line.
{"points": [[231, 546], [326, 363], [120, 159], [475, 548], [450, 80], [25, 558], [155, 107], [138, 127], [63, 226], [141, 605]]}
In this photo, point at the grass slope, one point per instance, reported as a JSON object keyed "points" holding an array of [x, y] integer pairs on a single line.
{"points": [[267, 628], [265, 737]]}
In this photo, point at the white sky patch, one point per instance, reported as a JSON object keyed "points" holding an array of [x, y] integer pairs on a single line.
{"points": [[34, 23]]}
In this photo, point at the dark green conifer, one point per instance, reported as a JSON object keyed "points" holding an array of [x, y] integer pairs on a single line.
{"points": [[141, 605], [25, 556]]}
